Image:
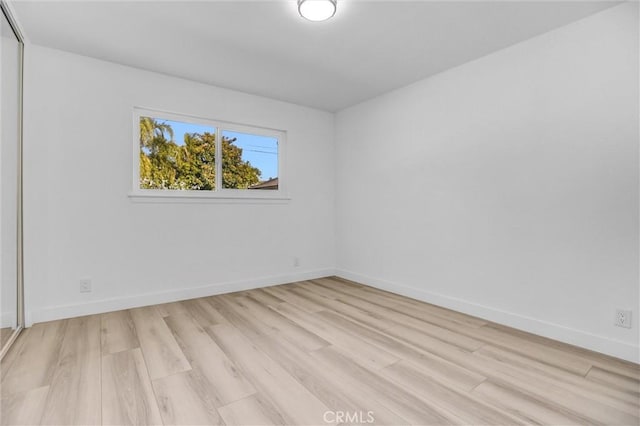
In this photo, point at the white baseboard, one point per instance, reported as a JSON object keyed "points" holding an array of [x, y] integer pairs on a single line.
{"points": [[119, 303], [543, 328], [572, 336]]}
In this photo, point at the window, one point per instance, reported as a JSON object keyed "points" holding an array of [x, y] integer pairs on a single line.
{"points": [[182, 156]]}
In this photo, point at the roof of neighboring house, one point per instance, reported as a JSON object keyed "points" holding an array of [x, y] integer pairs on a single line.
{"points": [[267, 184]]}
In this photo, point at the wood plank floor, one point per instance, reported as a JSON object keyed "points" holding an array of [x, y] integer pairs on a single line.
{"points": [[324, 351], [5, 334]]}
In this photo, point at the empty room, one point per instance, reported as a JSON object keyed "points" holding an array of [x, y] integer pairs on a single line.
{"points": [[319, 212]]}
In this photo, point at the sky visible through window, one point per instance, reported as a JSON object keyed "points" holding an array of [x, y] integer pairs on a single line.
{"points": [[260, 151]]}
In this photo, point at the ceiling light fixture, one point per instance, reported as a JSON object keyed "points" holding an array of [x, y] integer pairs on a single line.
{"points": [[317, 10]]}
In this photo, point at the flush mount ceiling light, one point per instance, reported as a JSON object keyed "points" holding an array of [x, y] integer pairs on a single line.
{"points": [[317, 10]]}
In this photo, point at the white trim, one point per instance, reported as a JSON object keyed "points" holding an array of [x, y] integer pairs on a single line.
{"points": [[543, 328], [219, 192], [119, 303], [168, 195], [17, 26]]}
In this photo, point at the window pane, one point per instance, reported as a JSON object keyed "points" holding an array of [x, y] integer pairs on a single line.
{"points": [[249, 161], [177, 155]]}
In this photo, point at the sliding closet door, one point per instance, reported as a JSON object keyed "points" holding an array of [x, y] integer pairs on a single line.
{"points": [[10, 106]]}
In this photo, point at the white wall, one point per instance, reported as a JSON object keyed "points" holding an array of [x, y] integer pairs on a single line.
{"points": [[79, 221], [506, 187]]}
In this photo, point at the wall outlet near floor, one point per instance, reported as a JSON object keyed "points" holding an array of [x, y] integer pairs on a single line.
{"points": [[296, 261], [623, 318], [85, 285]]}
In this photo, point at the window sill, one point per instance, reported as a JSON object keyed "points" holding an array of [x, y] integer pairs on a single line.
{"points": [[199, 197]]}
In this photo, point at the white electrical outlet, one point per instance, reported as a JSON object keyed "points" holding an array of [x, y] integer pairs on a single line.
{"points": [[296, 262], [623, 318], [85, 285]]}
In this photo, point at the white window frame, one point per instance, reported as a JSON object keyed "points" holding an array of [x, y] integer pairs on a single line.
{"points": [[219, 193]]}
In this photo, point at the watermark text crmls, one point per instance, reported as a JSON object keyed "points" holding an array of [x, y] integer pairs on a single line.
{"points": [[350, 417]]}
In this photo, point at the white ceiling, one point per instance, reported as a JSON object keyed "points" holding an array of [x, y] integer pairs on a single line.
{"points": [[265, 48]]}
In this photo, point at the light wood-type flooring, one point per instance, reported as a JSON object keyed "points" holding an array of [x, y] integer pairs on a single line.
{"points": [[5, 334], [324, 351]]}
